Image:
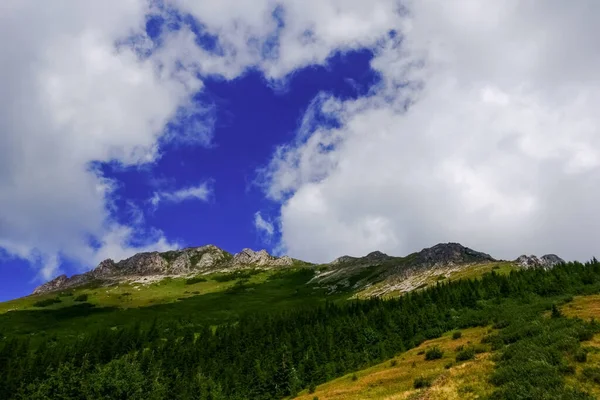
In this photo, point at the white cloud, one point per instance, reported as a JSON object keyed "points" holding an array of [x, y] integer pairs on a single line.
{"points": [[311, 30], [499, 148], [501, 131], [201, 192], [71, 97], [78, 90], [263, 226]]}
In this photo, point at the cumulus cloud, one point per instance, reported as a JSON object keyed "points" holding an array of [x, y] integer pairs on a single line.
{"points": [[76, 91], [484, 128], [484, 131], [201, 192], [87, 86], [263, 226]]}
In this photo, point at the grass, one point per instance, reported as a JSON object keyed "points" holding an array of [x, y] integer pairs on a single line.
{"points": [[586, 308], [209, 302], [427, 278], [395, 379]]}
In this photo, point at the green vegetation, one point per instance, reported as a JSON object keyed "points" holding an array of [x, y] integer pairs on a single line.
{"points": [[82, 297], [465, 354], [47, 302], [275, 336], [434, 353], [456, 335], [422, 382], [212, 304], [195, 279]]}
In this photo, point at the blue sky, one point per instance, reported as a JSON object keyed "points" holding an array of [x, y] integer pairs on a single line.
{"points": [[312, 128]]}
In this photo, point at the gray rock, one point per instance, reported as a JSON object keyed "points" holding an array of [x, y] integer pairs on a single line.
{"points": [[183, 262], [546, 262]]}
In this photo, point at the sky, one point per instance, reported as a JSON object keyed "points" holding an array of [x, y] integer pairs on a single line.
{"points": [[312, 128]]}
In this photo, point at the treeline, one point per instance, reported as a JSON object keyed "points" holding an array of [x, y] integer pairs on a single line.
{"points": [[273, 356]]}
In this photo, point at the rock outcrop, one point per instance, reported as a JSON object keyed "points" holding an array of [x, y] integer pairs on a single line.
{"points": [[193, 260], [260, 258], [445, 254], [398, 273], [546, 262]]}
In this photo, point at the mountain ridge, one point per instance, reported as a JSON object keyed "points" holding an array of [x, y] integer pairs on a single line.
{"points": [[149, 266], [376, 268]]}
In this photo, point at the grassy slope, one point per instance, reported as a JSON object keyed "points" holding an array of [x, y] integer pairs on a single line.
{"points": [[202, 303], [466, 380], [463, 380], [209, 302], [586, 308], [427, 279]]}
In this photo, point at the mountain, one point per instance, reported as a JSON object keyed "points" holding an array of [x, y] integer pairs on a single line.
{"points": [[152, 266], [547, 261], [203, 323], [378, 274], [375, 274]]}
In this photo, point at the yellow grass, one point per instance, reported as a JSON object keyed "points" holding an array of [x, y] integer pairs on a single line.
{"points": [[584, 307], [467, 380]]}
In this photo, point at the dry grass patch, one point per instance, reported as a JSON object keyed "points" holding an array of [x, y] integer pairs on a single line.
{"points": [[584, 307], [387, 381]]}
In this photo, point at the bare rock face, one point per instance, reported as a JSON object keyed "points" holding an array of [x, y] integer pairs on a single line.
{"points": [[260, 258], [52, 285], [193, 260], [444, 254], [546, 262], [343, 260]]}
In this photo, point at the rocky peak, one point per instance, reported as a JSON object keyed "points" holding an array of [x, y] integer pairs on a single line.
{"points": [[106, 267], [259, 258], [546, 261], [373, 256], [343, 260], [376, 255], [449, 254], [52, 285]]}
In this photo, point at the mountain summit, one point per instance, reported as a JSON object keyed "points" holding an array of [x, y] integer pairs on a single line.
{"points": [[154, 265], [378, 271]]}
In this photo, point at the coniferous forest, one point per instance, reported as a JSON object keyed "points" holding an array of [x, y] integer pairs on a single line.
{"points": [[275, 355]]}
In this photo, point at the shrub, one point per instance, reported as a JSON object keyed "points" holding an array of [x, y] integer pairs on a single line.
{"points": [[421, 352], [316, 398], [592, 373], [581, 356], [312, 388], [466, 354], [82, 297], [456, 335], [448, 365], [47, 302], [354, 378], [479, 349], [393, 363], [422, 382], [434, 353], [567, 369], [555, 312], [195, 279]]}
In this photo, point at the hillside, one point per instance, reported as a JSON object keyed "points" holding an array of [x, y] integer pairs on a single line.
{"points": [[224, 286], [271, 327]]}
